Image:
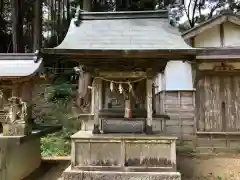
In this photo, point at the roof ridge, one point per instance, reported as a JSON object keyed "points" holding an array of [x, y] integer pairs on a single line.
{"points": [[122, 15]]}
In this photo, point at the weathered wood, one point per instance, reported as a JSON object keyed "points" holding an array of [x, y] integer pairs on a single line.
{"points": [[219, 105], [149, 105], [84, 93], [96, 85], [179, 105]]}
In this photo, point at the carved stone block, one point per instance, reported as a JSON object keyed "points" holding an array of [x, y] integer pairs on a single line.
{"points": [[16, 129]]}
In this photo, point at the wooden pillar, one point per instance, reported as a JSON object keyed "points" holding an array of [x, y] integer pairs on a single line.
{"points": [[97, 91], [87, 5], [92, 99], [149, 105], [100, 87]]}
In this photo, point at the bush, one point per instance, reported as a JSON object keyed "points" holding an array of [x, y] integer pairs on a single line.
{"points": [[57, 144], [61, 92]]}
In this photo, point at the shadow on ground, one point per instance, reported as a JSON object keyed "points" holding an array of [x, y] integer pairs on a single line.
{"points": [[49, 170]]}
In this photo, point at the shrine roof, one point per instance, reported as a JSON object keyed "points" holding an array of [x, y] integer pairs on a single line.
{"points": [[19, 64], [121, 31], [216, 20]]}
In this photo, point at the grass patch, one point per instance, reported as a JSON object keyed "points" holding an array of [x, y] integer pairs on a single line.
{"points": [[57, 144]]}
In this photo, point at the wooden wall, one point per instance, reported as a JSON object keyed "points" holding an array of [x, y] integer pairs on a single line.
{"points": [[180, 105], [218, 113], [218, 103]]}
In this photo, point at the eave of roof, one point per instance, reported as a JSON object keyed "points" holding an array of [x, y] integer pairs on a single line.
{"points": [[98, 53], [219, 54], [15, 65], [216, 20]]}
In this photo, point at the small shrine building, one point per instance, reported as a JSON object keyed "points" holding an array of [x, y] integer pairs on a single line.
{"points": [[129, 45], [216, 77], [122, 52]]}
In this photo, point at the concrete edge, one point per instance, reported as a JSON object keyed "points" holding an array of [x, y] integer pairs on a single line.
{"points": [[69, 170]]}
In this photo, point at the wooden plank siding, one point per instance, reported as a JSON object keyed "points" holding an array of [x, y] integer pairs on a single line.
{"points": [[218, 103], [218, 113], [180, 106]]}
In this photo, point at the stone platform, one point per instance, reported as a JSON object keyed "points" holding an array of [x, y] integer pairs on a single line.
{"points": [[122, 157], [70, 174]]}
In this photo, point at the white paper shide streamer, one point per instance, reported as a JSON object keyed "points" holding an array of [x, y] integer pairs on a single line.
{"points": [[111, 86], [120, 88], [130, 87]]}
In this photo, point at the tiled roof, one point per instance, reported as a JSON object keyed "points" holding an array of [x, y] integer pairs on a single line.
{"points": [[123, 31]]}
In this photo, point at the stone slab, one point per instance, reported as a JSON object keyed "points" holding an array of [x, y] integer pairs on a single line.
{"points": [[88, 135], [117, 175]]}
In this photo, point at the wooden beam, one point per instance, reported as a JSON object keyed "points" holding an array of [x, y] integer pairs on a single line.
{"points": [[218, 57], [152, 53]]}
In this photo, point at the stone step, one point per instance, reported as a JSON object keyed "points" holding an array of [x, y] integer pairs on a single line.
{"points": [[70, 174]]}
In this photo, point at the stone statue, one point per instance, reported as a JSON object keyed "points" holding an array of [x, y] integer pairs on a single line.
{"points": [[16, 120]]}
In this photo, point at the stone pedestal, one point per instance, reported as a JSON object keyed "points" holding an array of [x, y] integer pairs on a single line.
{"points": [[16, 129], [21, 155], [18, 160], [122, 157]]}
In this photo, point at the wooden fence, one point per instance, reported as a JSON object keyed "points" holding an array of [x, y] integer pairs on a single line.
{"points": [[180, 106]]}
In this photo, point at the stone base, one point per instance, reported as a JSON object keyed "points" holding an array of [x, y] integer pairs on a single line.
{"points": [[119, 175], [18, 160], [16, 129]]}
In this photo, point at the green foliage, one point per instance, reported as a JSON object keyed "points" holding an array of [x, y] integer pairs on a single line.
{"points": [[57, 144], [60, 93]]}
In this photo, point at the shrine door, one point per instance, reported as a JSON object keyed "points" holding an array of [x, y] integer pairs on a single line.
{"points": [[218, 103]]}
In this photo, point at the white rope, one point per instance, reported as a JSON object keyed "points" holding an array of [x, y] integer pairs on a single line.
{"points": [[121, 82]]}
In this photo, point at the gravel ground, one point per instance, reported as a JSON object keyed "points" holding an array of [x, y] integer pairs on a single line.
{"points": [[191, 168]]}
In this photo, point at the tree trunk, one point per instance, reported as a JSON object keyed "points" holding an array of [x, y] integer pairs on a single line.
{"points": [[37, 34], [17, 26]]}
